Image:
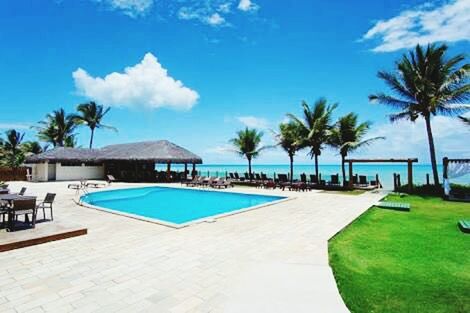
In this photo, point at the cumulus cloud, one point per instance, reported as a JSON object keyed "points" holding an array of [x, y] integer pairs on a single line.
{"points": [[449, 22], [407, 139], [145, 84], [132, 8], [254, 122], [247, 5]]}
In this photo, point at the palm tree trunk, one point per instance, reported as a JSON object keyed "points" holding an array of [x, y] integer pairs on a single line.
{"points": [[291, 157], [91, 137], [343, 169], [316, 165], [432, 150], [249, 167]]}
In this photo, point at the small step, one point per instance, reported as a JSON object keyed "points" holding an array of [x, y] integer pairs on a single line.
{"points": [[399, 206], [464, 226]]}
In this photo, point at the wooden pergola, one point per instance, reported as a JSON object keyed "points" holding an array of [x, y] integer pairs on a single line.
{"points": [[407, 161]]}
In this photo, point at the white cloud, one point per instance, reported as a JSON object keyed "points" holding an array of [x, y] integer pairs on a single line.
{"points": [[144, 84], [132, 8], [14, 126], [253, 122], [406, 139], [449, 22], [202, 15], [215, 19], [225, 7], [247, 5]]}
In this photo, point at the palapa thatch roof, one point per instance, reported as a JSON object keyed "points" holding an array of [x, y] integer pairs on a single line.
{"points": [[161, 151]]}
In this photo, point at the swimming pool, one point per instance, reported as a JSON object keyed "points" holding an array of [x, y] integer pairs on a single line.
{"points": [[174, 206]]}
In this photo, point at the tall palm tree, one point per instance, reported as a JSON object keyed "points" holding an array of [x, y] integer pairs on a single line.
{"points": [[57, 128], [314, 127], [247, 144], [11, 146], [288, 139], [347, 136], [427, 83], [91, 115]]}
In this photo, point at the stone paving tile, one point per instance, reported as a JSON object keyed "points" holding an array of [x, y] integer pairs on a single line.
{"points": [[127, 265]]}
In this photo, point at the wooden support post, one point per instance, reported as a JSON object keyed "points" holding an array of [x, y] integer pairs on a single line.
{"points": [[398, 180], [350, 175], [395, 182], [410, 175], [377, 181], [185, 171], [168, 171], [445, 164], [427, 179]]}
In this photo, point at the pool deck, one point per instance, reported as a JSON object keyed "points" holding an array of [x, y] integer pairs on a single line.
{"points": [[271, 259]]}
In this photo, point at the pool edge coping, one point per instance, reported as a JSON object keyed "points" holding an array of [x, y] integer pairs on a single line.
{"points": [[209, 219]]}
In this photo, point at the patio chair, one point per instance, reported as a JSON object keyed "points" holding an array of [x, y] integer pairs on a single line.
{"points": [[264, 177], [258, 177], [231, 175], [22, 191], [47, 204], [22, 207], [237, 177], [247, 176]]}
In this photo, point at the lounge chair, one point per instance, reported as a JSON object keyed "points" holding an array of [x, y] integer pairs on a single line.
{"points": [[265, 178], [283, 181], [247, 176], [22, 207], [363, 181], [194, 182], [208, 181], [95, 185], [232, 176], [334, 180], [237, 177], [313, 180], [47, 204], [221, 183], [110, 179], [258, 177], [82, 184]]}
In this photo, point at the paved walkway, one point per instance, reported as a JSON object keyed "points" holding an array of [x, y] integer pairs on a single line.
{"points": [[273, 259]]}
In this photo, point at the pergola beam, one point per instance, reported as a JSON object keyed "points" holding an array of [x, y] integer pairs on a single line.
{"points": [[409, 162]]}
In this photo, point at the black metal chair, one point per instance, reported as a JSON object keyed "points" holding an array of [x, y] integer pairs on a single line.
{"points": [[22, 207], [47, 204]]}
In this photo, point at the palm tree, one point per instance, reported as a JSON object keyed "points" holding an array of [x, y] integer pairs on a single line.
{"points": [[347, 136], [57, 128], [33, 147], [11, 146], [427, 83], [91, 115], [247, 143], [464, 119], [288, 139], [314, 127]]}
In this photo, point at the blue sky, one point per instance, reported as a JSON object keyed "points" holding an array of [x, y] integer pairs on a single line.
{"points": [[196, 71]]}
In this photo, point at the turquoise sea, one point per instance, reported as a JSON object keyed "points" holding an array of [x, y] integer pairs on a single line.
{"points": [[385, 171]]}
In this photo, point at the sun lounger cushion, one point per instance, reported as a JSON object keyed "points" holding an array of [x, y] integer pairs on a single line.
{"points": [[400, 206], [465, 226]]}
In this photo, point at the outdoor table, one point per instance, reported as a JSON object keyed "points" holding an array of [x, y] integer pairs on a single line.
{"points": [[10, 210]]}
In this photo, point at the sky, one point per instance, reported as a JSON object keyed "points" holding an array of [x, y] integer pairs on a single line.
{"points": [[196, 71]]}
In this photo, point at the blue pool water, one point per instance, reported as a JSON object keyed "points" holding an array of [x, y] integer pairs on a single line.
{"points": [[174, 205]]}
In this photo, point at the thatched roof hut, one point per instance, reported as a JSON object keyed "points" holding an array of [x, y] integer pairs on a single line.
{"points": [[161, 151]]}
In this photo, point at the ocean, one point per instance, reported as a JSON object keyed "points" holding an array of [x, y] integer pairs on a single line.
{"points": [[385, 171]]}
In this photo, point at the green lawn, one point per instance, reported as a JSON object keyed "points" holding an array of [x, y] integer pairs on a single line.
{"points": [[418, 261]]}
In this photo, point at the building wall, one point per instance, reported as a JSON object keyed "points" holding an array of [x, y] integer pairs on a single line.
{"points": [[79, 172], [40, 172]]}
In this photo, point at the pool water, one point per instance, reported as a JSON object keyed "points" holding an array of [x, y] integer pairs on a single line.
{"points": [[174, 205]]}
